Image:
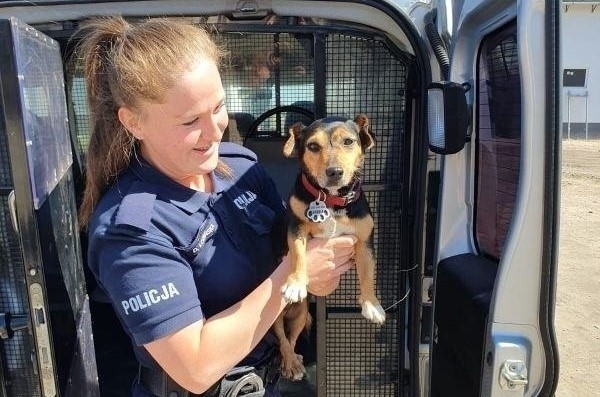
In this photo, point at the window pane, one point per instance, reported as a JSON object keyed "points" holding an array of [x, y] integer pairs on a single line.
{"points": [[498, 139]]}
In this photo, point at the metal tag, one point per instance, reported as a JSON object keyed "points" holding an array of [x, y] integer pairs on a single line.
{"points": [[317, 211]]}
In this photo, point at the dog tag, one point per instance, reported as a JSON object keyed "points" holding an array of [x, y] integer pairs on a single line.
{"points": [[317, 211]]}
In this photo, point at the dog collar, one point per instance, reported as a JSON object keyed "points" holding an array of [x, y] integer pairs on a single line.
{"points": [[330, 201]]}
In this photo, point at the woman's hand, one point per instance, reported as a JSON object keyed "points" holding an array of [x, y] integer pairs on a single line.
{"points": [[327, 260]]}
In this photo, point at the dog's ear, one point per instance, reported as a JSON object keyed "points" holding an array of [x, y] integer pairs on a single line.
{"points": [[295, 131], [364, 130]]}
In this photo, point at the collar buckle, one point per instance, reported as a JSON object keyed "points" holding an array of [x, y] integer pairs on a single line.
{"points": [[350, 196]]}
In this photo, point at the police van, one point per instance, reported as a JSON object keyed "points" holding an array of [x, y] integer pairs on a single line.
{"points": [[463, 183]]}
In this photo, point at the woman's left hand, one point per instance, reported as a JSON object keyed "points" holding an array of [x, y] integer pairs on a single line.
{"points": [[324, 277]]}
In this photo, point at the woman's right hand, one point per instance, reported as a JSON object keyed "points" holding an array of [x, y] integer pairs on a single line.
{"points": [[327, 260]]}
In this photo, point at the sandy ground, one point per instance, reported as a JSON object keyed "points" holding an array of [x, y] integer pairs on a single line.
{"points": [[578, 293]]}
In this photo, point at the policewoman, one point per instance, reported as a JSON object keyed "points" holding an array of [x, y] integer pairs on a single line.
{"points": [[185, 232]]}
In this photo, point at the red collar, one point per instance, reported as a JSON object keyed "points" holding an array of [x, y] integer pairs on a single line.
{"points": [[331, 201]]}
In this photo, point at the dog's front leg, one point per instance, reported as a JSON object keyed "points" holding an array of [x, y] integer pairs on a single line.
{"points": [[294, 289], [365, 266]]}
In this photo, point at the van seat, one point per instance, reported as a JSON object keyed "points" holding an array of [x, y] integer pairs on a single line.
{"points": [[464, 289]]}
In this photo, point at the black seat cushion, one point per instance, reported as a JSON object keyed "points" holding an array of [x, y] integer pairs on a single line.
{"points": [[464, 287]]}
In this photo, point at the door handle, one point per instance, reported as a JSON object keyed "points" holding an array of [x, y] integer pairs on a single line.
{"points": [[9, 323], [12, 208]]}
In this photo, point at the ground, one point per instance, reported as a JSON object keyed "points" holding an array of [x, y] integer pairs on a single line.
{"points": [[577, 319]]}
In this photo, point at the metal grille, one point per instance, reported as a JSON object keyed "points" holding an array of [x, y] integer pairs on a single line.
{"points": [[385, 207], [266, 71], [77, 97], [498, 139], [362, 362], [5, 169], [504, 87], [364, 76], [362, 358], [18, 351]]}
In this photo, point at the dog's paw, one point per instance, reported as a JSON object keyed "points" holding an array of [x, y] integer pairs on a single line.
{"points": [[373, 312], [294, 290], [292, 368]]}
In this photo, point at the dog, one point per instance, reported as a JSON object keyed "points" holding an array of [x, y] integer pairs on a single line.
{"points": [[326, 201]]}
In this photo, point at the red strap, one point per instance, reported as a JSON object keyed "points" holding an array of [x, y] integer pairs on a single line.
{"points": [[330, 201]]}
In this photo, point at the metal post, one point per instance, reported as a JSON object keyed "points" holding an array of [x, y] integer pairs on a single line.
{"points": [[320, 76], [586, 116], [568, 114]]}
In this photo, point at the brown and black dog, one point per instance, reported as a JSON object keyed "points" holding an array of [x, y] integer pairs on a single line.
{"points": [[326, 201]]}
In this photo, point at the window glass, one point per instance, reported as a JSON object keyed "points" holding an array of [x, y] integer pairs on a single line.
{"points": [[267, 70], [498, 139]]}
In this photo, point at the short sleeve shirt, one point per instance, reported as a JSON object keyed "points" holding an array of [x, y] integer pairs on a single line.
{"points": [[168, 256]]}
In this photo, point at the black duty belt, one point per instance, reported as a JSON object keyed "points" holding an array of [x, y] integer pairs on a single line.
{"points": [[157, 382], [240, 381]]}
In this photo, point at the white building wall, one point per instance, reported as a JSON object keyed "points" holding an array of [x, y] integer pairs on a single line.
{"points": [[580, 47]]}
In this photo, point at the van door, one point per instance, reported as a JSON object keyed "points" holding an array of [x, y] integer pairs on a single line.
{"points": [[47, 345], [498, 210]]}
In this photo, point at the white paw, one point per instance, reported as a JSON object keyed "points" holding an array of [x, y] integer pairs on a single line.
{"points": [[293, 292], [373, 312], [292, 367]]}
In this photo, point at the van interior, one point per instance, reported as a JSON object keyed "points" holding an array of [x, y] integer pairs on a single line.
{"points": [[283, 67]]}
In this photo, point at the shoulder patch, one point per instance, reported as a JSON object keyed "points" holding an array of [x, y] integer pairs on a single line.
{"points": [[137, 206], [230, 149]]}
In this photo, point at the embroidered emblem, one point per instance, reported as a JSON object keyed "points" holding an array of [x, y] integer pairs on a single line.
{"points": [[149, 298], [244, 199]]}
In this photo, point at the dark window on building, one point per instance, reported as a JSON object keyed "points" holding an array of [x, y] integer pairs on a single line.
{"points": [[498, 139], [574, 77]]}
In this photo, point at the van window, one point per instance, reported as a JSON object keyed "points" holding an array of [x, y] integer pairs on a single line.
{"points": [[267, 71], [498, 142]]}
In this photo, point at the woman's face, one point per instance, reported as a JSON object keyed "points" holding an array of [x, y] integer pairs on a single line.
{"points": [[181, 136]]}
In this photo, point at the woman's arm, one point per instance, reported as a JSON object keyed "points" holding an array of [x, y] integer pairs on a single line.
{"points": [[198, 355]]}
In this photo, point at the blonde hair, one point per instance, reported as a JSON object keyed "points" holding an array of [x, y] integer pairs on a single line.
{"points": [[124, 64]]}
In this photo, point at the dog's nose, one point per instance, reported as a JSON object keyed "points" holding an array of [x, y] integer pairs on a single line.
{"points": [[334, 172]]}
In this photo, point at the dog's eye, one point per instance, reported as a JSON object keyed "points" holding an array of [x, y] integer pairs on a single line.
{"points": [[348, 142], [313, 147]]}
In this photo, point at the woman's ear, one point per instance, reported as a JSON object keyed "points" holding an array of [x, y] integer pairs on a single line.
{"points": [[131, 121]]}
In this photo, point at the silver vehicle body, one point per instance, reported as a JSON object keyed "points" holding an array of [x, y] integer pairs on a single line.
{"points": [[519, 355]]}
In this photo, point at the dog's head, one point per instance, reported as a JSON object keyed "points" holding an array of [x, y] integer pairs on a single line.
{"points": [[331, 150]]}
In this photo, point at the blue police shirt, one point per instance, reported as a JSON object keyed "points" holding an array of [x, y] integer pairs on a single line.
{"points": [[168, 256]]}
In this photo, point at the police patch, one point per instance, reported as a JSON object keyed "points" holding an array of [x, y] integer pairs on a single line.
{"points": [[148, 298]]}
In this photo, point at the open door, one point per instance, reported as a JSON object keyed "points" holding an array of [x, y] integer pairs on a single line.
{"points": [[496, 243], [47, 347]]}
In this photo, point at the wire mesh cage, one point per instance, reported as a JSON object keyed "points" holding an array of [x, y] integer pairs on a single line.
{"points": [[361, 75], [265, 71], [17, 351], [366, 77]]}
